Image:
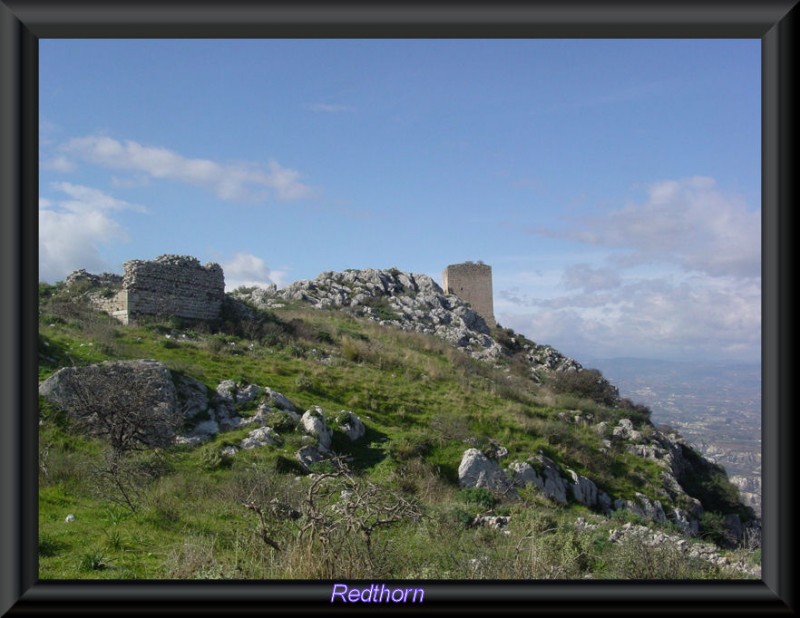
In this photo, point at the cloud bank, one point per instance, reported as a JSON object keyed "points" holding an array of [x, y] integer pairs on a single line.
{"points": [[680, 279], [689, 223]]}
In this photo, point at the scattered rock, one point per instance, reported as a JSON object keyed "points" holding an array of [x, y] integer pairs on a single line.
{"points": [[202, 432], [696, 550], [228, 451], [624, 429], [192, 395], [642, 506], [248, 393], [498, 522], [524, 474], [351, 425], [495, 451], [684, 521], [309, 455], [229, 392], [544, 473], [226, 391], [584, 491], [279, 401], [263, 436]]}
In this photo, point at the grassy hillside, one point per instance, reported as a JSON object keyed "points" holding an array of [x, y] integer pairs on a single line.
{"points": [[394, 509]]}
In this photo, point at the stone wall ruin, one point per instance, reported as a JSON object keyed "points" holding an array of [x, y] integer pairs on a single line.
{"points": [[170, 285]]}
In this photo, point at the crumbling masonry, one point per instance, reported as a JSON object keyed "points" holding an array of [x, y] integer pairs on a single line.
{"points": [[170, 285]]}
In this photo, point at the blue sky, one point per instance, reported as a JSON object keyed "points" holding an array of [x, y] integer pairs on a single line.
{"points": [[612, 185]]}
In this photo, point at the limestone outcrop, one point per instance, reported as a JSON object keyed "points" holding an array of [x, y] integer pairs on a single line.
{"points": [[411, 302], [128, 402], [350, 424], [313, 423], [476, 470]]}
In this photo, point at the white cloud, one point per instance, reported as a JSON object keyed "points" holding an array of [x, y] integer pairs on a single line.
{"points": [[86, 199], [130, 182], [232, 181], [286, 182], [685, 222], [250, 270], [71, 230], [59, 164]]}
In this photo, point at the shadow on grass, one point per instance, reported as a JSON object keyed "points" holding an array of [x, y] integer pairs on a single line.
{"points": [[367, 451]]}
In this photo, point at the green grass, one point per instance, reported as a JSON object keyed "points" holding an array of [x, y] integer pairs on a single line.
{"points": [[423, 403]]}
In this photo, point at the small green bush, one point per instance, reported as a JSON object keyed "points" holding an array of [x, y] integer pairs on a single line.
{"points": [[211, 458], [49, 546], [712, 527], [93, 561], [280, 421], [409, 447], [303, 383], [479, 496], [588, 383]]}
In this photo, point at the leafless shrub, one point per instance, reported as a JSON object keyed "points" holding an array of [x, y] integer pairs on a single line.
{"points": [[335, 522], [118, 404]]}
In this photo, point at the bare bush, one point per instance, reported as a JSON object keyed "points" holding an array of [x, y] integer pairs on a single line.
{"points": [[121, 404], [336, 522]]}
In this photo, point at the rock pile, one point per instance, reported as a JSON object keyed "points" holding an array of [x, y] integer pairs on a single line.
{"points": [[563, 485]]}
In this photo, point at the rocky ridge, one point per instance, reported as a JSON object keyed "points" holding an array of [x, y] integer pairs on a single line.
{"points": [[416, 302], [668, 503], [412, 302]]}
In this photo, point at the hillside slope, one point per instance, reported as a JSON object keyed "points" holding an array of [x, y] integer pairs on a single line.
{"points": [[366, 415]]}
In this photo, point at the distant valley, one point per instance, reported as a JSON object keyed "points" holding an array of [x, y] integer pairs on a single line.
{"points": [[716, 406]]}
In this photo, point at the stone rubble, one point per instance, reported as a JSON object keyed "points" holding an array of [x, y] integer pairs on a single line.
{"points": [[496, 522]]}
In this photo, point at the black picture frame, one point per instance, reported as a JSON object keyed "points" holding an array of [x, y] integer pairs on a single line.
{"points": [[24, 22]]}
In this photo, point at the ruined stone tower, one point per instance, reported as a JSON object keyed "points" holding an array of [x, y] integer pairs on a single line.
{"points": [[471, 282]]}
